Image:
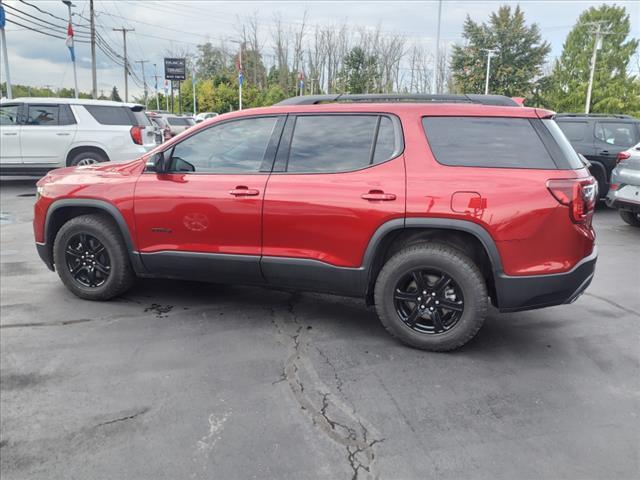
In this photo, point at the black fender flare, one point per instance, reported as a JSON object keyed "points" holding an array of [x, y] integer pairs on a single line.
{"points": [[107, 208], [442, 223]]}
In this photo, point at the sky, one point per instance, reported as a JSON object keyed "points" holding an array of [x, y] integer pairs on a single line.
{"points": [[164, 25]]}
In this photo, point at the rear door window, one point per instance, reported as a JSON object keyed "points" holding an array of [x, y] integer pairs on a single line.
{"points": [[340, 143], [616, 133], [178, 121], [574, 131], [486, 142], [42, 114], [107, 115]]}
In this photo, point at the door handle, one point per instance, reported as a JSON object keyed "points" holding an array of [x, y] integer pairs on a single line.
{"points": [[243, 191], [10, 133], [378, 195], [62, 134]]}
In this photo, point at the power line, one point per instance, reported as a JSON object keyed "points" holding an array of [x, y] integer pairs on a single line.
{"points": [[44, 11], [43, 33], [20, 12]]}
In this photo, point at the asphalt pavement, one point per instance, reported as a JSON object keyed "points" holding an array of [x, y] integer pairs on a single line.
{"points": [[180, 380]]}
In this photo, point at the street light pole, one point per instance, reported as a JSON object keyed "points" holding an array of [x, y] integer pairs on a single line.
{"points": [[436, 76], [597, 44], [71, 46], [490, 52], [4, 51], [155, 69]]}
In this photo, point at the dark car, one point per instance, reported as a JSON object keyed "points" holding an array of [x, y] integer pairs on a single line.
{"points": [[367, 196], [600, 138]]}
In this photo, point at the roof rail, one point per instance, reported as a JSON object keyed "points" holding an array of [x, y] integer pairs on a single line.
{"points": [[611, 115], [499, 100]]}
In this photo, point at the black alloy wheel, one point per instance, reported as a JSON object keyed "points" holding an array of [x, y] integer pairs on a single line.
{"points": [[428, 301], [87, 260]]}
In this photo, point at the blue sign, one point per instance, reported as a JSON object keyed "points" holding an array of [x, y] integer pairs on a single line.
{"points": [[3, 17]]}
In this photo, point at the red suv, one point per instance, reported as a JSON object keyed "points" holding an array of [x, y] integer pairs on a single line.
{"points": [[428, 207]]}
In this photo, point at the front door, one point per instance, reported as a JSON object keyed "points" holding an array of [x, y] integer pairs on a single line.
{"points": [[337, 178], [47, 134], [203, 219], [10, 135]]}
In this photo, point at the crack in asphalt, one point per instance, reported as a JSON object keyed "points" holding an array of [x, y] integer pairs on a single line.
{"points": [[122, 419], [48, 324], [330, 414]]}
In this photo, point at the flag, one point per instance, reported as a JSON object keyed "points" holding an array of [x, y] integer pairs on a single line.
{"points": [[70, 42], [239, 68]]}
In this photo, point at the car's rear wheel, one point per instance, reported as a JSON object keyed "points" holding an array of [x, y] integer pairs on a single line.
{"points": [[631, 218], [91, 258], [86, 157], [431, 297]]}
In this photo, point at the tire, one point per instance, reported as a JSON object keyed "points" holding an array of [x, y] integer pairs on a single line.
{"points": [[632, 218], [114, 258], [86, 157], [466, 283]]}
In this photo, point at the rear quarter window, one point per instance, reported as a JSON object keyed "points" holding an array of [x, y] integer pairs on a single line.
{"points": [[486, 142], [178, 121], [106, 115]]}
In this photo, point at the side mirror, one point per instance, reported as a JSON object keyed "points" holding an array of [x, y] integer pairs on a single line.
{"points": [[157, 163]]}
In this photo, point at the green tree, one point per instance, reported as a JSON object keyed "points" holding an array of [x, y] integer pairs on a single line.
{"points": [[614, 90], [520, 54], [115, 96], [358, 72]]}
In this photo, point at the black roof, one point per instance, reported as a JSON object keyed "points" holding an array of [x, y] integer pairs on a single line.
{"points": [[498, 100]]}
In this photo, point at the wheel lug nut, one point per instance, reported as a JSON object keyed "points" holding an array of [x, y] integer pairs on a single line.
{"points": [[431, 308], [437, 302], [424, 292], [433, 294], [419, 298]]}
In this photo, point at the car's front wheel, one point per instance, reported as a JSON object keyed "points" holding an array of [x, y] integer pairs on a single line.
{"points": [[431, 297], [631, 218], [91, 258]]}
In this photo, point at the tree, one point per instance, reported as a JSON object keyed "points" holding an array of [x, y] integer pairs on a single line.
{"points": [[520, 54], [614, 90], [115, 96], [358, 72]]}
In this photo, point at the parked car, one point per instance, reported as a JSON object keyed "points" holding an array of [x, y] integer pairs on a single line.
{"points": [[201, 117], [163, 130], [178, 124], [600, 138], [39, 134], [624, 191], [373, 199]]}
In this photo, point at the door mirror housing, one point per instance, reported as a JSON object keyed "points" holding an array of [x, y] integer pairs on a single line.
{"points": [[158, 163]]}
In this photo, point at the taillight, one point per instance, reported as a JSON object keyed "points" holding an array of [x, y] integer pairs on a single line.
{"points": [[136, 134], [579, 195], [622, 156]]}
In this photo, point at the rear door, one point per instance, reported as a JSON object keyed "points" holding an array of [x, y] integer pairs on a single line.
{"points": [[10, 135], [337, 178], [47, 133]]}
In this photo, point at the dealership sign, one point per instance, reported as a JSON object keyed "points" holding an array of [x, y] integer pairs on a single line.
{"points": [[175, 69]]}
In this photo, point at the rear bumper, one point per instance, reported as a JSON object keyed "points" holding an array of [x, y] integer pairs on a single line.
{"points": [[539, 291]]}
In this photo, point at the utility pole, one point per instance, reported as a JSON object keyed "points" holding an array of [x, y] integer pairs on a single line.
{"points": [[144, 79], [490, 52], [94, 76], [597, 45], [71, 46], [126, 62], [155, 75], [193, 85], [4, 51], [436, 76]]}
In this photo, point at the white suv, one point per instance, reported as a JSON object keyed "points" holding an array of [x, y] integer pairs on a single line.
{"points": [[39, 134]]}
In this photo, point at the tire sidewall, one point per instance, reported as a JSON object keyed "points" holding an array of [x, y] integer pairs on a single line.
{"points": [[64, 235], [86, 155], [474, 295]]}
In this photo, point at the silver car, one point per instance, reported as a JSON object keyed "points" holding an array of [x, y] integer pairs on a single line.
{"points": [[624, 190]]}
